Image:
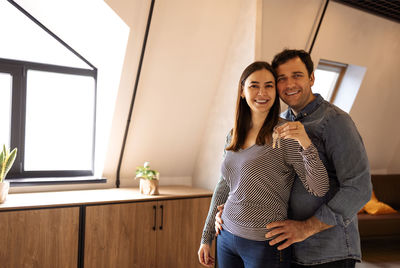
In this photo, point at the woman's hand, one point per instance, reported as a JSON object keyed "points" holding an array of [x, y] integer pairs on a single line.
{"points": [[204, 255], [295, 131]]}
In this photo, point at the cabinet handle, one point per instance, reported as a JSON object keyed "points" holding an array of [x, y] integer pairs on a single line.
{"points": [[155, 217], [162, 217]]}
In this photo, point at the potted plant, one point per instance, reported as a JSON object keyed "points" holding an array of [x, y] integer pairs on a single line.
{"points": [[148, 179], [6, 161]]}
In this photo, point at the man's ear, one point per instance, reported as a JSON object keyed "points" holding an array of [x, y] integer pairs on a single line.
{"points": [[312, 79]]}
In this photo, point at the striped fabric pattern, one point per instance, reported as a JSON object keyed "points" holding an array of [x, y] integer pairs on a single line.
{"points": [[255, 186]]}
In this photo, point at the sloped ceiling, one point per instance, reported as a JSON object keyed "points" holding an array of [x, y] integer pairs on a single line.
{"points": [[389, 9]]}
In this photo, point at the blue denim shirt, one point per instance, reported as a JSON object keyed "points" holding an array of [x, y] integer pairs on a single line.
{"points": [[342, 151]]}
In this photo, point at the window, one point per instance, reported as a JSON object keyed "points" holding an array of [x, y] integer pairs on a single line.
{"points": [[328, 77], [5, 108], [48, 94], [59, 118]]}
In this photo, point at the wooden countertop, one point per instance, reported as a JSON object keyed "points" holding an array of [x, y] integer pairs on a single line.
{"points": [[99, 196]]}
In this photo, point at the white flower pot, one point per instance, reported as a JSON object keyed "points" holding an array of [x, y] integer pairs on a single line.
{"points": [[148, 187], [4, 188]]}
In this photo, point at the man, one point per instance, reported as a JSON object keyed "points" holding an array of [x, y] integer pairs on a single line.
{"points": [[323, 230]]}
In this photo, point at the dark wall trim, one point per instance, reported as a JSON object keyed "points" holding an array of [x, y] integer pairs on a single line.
{"points": [[117, 181], [319, 25]]}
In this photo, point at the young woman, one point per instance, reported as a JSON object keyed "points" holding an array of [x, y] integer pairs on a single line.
{"points": [[257, 177]]}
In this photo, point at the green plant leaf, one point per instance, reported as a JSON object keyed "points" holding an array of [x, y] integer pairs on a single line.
{"points": [[10, 161], [2, 157], [145, 172], [6, 161]]}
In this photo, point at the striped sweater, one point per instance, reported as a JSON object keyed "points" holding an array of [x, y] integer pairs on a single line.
{"points": [[255, 186]]}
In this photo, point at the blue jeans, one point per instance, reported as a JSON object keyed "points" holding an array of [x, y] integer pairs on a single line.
{"points": [[236, 252], [347, 263]]}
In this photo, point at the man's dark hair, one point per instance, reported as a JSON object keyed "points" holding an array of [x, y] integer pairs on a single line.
{"points": [[289, 54]]}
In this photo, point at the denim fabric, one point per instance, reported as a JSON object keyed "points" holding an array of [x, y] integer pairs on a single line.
{"points": [[342, 151], [347, 263], [237, 252]]}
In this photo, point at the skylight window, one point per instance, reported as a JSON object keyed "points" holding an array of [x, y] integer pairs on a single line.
{"points": [[328, 76]]}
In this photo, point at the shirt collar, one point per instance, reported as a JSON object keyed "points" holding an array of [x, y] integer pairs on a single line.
{"points": [[310, 108]]}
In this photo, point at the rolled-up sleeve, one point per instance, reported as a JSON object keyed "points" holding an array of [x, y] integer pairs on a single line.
{"points": [[346, 151]]}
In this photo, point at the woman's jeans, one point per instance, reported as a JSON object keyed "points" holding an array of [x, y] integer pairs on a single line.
{"points": [[236, 252]]}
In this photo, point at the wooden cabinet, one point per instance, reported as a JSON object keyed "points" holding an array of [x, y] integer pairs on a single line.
{"points": [[179, 239], [120, 235], [145, 234], [103, 228], [39, 238]]}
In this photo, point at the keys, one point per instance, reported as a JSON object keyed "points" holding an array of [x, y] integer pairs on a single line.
{"points": [[276, 140]]}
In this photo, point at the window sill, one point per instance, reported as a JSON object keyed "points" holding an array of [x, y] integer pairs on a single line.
{"points": [[55, 181]]}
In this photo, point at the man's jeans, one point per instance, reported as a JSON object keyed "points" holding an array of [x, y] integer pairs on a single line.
{"points": [[236, 252], [347, 263]]}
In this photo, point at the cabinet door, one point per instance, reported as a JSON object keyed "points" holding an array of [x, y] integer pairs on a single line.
{"points": [[179, 239], [120, 235], [39, 238]]}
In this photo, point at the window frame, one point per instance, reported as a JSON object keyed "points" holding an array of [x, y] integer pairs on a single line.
{"points": [[18, 70], [337, 67]]}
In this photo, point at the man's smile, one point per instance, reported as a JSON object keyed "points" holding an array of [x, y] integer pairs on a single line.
{"points": [[292, 93]]}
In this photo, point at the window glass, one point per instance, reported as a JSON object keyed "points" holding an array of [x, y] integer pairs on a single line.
{"points": [[5, 108], [59, 133], [328, 76], [21, 39], [325, 82]]}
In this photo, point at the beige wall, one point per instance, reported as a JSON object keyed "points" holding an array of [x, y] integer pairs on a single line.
{"points": [[288, 24], [346, 35], [134, 13], [189, 44], [350, 36], [241, 51]]}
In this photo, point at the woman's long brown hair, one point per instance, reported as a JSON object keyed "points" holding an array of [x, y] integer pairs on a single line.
{"points": [[243, 112]]}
